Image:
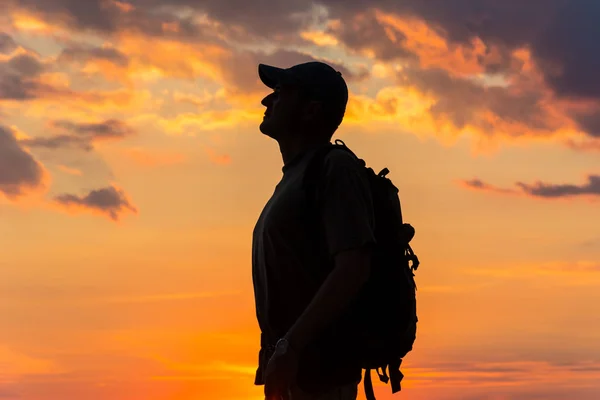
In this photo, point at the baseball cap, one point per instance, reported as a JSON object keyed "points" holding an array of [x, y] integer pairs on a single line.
{"points": [[318, 80]]}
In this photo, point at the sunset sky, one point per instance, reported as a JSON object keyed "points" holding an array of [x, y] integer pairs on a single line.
{"points": [[132, 172]]}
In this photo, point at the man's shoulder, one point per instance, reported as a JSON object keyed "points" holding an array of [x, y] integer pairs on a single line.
{"points": [[339, 158]]}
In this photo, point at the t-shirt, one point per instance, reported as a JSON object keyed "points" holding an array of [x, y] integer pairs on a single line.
{"points": [[293, 252]]}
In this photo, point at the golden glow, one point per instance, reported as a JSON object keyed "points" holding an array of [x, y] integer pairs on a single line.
{"points": [[319, 38], [433, 50], [158, 305]]}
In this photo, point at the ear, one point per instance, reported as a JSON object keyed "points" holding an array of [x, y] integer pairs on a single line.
{"points": [[312, 110]]}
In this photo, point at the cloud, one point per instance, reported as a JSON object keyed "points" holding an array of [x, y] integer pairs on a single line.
{"points": [[464, 101], [27, 78], [59, 141], [240, 70], [478, 184], [87, 53], [366, 34], [20, 172], [549, 190], [570, 70], [584, 145], [109, 129], [110, 201], [248, 20], [7, 43], [19, 77], [489, 67], [206, 121], [82, 135], [541, 189], [501, 27], [105, 16]]}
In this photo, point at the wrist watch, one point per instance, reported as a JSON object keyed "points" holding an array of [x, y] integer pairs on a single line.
{"points": [[283, 346]]}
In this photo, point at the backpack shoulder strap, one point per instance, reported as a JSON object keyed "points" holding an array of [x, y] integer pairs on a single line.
{"points": [[312, 175]]}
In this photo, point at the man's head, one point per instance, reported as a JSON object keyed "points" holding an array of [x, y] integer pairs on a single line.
{"points": [[307, 99]]}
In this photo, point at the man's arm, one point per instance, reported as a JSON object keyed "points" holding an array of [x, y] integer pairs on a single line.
{"points": [[350, 273]]}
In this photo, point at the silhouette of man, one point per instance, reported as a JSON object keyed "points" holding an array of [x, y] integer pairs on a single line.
{"points": [[309, 263]]}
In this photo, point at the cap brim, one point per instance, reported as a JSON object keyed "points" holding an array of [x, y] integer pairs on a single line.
{"points": [[272, 76]]}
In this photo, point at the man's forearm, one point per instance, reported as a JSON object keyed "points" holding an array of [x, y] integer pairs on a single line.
{"points": [[349, 275]]}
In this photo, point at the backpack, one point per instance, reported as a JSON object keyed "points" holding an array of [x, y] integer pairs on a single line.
{"points": [[383, 318]]}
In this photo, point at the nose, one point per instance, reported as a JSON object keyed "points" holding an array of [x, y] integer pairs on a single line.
{"points": [[268, 100]]}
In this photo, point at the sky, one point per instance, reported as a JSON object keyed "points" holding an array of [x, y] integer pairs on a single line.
{"points": [[132, 172]]}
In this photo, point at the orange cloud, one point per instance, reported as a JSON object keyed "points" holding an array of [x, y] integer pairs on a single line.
{"points": [[204, 121], [23, 21], [319, 38], [171, 58], [433, 50]]}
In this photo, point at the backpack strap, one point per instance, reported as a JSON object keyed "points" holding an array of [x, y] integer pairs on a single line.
{"points": [[395, 378], [368, 385], [312, 174], [395, 375]]}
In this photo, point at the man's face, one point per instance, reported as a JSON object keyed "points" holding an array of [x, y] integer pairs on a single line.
{"points": [[283, 113]]}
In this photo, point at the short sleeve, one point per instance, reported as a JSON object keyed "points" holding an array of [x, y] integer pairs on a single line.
{"points": [[346, 203]]}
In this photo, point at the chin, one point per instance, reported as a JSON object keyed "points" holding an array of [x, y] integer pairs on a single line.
{"points": [[267, 130]]}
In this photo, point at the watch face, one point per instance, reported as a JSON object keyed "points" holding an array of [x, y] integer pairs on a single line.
{"points": [[282, 346]]}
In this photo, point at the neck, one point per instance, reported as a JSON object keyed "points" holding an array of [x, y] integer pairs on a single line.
{"points": [[292, 147]]}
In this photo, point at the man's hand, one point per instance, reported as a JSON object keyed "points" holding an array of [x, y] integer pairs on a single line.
{"points": [[281, 372], [351, 272]]}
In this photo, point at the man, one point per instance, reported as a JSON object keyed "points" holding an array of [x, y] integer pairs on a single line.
{"points": [[309, 262]]}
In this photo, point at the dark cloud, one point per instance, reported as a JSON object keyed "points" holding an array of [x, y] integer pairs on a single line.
{"points": [[549, 190], [109, 17], [18, 77], [589, 122], [460, 100], [568, 50], [541, 189], [85, 53], [364, 32], [60, 141], [109, 200], [82, 135], [7, 44], [478, 184], [241, 71], [111, 128], [259, 18], [21, 79], [561, 35], [18, 169]]}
